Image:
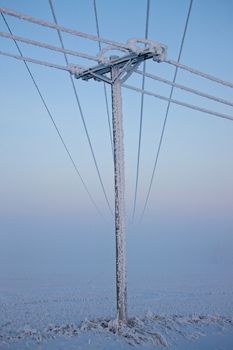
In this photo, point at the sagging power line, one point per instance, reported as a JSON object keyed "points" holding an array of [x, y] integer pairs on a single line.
{"points": [[186, 88], [95, 58], [105, 88], [199, 73], [78, 103], [130, 87], [141, 113], [167, 110], [180, 103], [74, 32], [48, 46], [53, 122], [119, 45]]}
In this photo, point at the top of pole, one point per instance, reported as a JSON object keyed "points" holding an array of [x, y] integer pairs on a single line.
{"points": [[135, 55]]}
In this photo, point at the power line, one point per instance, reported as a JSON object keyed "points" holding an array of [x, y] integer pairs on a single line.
{"points": [[141, 113], [34, 20], [155, 77], [47, 24], [105, 89], [53, 122], [180, 103], [48, 46], [119, 45], [201, 74], [81, 111], [167, 110], [33, 60], [200, 109], [185, 88]]}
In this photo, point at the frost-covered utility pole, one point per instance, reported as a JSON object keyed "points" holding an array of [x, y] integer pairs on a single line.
{"points": [[115, 71], [118, 147]]}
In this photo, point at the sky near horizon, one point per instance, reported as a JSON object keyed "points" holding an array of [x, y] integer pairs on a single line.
{"points": [[41, 196]]}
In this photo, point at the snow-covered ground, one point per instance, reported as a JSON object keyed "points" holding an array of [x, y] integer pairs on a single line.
{"points": [[190, 310]]}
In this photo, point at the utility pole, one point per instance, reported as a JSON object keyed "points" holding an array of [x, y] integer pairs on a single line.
{"points": [[119, 172], [115, 71]]}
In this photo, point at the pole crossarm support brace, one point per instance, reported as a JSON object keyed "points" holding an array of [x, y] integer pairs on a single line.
{"points": [[126, 63]]}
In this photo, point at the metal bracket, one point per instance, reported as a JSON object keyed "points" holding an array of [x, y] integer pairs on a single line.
{"points": [[130, 71], [158, 50], [126, 63]]}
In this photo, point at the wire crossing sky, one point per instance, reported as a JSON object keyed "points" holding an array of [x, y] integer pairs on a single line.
{"points": [[141, 112], [105, 87], [168, 108], [53, 121], [201, 86], [81, 112]]}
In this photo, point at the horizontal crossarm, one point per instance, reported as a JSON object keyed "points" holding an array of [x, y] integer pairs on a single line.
{"points": [[126, 62]]}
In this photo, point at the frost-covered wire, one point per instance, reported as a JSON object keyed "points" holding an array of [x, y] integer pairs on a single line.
{"points": [[48, 46], [201, 74], [54, 123], [33, 60], [88, 36], [185, 88], [95, 58], [47, 24], [184, 104], [81, 111], [167, 110], [105, 88], [141, 114]]}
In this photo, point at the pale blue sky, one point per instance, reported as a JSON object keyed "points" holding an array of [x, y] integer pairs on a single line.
{"points": [[40, 194]]}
